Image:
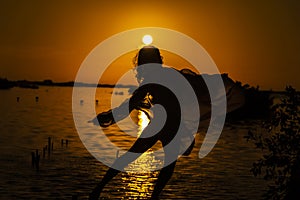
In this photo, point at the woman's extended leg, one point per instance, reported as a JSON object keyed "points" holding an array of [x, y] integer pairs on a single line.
{"points": [[140, 146]]}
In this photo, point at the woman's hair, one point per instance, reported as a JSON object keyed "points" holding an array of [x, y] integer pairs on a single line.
{"points": [[147, 54]]}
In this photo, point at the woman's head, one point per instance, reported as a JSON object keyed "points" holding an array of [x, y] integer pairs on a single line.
{"points": [[147, 55]]}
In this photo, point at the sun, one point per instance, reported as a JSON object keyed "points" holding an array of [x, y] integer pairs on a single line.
{"points": [[147, 39]]}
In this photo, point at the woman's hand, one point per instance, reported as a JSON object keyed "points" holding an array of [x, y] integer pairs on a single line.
{"points": [[104, 119]]}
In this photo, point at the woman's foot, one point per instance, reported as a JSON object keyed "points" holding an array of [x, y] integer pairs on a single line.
{"points": [[95, 194]]}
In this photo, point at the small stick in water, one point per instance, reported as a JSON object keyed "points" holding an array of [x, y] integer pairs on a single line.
{"points": [[44, 151], [32, 159], [49, 145], [37, 162]]}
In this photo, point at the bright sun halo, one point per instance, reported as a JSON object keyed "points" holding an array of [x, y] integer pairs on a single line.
{"points": [[147, 39]]}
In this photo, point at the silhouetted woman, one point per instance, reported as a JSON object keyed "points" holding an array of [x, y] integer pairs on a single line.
{"points": [[144, 98]]}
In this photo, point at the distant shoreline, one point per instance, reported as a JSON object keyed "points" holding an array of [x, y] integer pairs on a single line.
{"points": [[257, 102], [7, 84]]}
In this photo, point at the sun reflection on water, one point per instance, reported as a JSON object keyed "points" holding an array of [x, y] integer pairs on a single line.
{"points": [[139, 181], [143, 121]]}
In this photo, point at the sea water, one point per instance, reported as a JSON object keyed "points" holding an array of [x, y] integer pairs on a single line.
{"points": [[71, 170]]}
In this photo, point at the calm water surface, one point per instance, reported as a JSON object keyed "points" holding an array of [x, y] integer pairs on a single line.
{"points": [[72, 170]]}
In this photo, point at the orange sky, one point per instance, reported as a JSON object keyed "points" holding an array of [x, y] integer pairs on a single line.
{"points": [[256, 42]]}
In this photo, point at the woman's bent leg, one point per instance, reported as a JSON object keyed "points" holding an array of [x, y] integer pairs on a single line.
{"points": [[163, 178]]}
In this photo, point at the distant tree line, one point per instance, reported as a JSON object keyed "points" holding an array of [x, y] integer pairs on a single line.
{"points": [[7, 84]]}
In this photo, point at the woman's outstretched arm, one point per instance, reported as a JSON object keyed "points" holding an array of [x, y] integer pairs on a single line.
{"points": [[136, 101]]}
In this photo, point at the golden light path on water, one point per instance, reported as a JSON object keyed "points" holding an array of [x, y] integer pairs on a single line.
{"points": [[143, 121], [140, 185]]}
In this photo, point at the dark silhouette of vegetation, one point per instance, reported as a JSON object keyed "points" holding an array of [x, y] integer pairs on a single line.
{"points": [[280, 145], [5, 84]]}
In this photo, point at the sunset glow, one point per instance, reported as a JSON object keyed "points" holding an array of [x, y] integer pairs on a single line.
{"points": [[254, 49]]}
